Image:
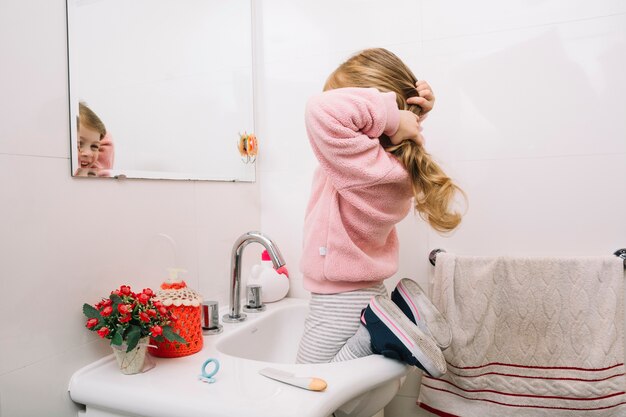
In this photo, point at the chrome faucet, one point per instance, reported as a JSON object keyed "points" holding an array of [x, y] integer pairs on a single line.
{"points": [[235, 315]]}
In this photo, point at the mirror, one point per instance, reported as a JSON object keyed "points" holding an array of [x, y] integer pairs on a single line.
{"points": [[172, 82]]}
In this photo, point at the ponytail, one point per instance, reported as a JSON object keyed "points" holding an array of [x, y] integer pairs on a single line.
{"points": [[433, 190]]}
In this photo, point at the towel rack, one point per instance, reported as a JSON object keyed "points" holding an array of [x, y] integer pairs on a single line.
{"points": [[432, 257], [621, 253]]}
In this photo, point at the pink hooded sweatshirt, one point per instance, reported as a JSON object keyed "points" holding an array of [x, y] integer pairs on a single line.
{"points": [[359, 191]]}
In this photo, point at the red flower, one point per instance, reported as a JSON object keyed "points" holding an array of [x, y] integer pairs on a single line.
{"points": [[106, 311], [124, 308], [103, 332], [148, 292], [125, 290], [116, 292], [107, 302], [156, 331], [144, 317], [163, 310], [151, 313], [125, 319], [143, 298], [91, 323], [158, 304]]}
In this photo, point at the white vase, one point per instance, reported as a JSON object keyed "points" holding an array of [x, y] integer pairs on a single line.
{"points": [[131, 362]]}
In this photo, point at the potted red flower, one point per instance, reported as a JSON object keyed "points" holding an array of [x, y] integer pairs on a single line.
{"points": [[129, 319]]}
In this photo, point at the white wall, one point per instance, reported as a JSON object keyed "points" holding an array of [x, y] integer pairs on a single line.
{"points": [[529, 119], [66, 241]]}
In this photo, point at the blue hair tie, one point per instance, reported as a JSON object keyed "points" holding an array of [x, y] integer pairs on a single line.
{"points": [[208, 377]]}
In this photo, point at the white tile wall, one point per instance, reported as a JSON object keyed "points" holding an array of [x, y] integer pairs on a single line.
{"points": [[532, 92], [41, 389], [529, 119], [541, 206], [454, 18], [314, 29], [34, 50]]}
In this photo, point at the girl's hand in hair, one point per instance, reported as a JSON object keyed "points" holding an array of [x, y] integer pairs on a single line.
{"points": [[425, 98], [409, 129]]}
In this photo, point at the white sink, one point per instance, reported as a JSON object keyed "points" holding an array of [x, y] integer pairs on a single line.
{"points": [[357, 388], [273, 337]]}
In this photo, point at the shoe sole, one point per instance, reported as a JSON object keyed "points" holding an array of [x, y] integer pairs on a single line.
{"points": [[436, 323], [421, 346]]}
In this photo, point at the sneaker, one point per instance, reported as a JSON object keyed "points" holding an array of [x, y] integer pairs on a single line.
{"points": [[395, 336], [412, 300]]}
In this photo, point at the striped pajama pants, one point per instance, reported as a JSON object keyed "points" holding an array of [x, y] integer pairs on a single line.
{"points": [[332, 321]]}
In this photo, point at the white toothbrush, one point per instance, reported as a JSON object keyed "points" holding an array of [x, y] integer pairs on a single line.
{"points": [[306, 382]]}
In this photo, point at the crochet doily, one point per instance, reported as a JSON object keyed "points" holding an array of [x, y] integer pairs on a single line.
{"points": [[179, 297]]}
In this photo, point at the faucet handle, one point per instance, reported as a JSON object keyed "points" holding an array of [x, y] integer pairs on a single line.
{"points": [[254, 303]]}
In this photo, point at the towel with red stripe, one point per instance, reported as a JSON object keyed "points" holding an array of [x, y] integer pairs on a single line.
{"points": [[530, 337]]}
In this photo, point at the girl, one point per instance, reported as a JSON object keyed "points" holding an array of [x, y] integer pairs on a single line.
{"points": [[91, 131], [95, 145], [365, 131]]}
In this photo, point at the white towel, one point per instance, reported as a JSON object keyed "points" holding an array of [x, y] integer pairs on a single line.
{"points": [[531, 337]]}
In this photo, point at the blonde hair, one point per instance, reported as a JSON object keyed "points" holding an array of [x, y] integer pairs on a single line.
{"points": [[433, 190], [89, 119]]}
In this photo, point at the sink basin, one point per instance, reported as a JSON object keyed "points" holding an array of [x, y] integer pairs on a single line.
{"points": [[357, 388], [273, 338]]}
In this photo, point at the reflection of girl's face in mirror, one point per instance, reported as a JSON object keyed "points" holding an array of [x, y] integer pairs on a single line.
{"points": [[88, 146]]}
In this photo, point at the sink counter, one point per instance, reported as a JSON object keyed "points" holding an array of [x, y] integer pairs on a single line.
{"points": [[172, 387]]}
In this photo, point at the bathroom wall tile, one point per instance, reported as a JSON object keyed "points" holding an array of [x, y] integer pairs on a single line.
{"points": [[308, 29], [296, 287], [213, 262], [223, 212], [536, 92], [215, 269], [221, 205], [282, 96], [41, 388], [33, 102], [282, 213], [449, 18], [402, 406], [413, 258], [540, 207]]}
